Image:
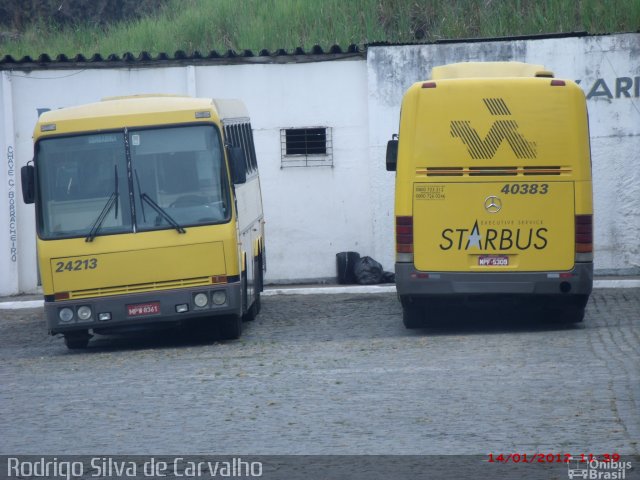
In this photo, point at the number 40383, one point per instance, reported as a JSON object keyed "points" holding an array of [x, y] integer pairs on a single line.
{"points": [[525, 188], [77, 265]]}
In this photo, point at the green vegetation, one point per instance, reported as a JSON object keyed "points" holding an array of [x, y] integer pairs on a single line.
{"points": [[205, 25]]}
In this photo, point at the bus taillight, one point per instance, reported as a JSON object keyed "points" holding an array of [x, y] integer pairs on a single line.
{"points": [[404, 237], [584, 237]]}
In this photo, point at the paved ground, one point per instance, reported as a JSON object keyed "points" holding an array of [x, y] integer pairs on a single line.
{"points": [[331, 374]]}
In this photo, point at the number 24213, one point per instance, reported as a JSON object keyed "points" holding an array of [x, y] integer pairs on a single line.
{"points": [[77, 265]]}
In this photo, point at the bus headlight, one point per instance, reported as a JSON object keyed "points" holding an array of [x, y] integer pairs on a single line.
{"points": [[65, 314], [219, 297], [201, 300], [84, 313]]}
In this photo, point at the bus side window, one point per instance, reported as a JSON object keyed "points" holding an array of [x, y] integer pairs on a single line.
{"points": [[237, 137], [252, 148]]}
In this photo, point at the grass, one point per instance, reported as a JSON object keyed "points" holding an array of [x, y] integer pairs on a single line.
{"points": [[205, 25]]}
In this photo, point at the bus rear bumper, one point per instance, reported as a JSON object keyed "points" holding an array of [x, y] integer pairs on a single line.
{"points": [[575, 284], [144, 309]]}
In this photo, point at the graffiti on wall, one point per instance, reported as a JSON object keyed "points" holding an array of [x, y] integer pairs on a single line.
{"points": [[11, 183], [621, 87]]}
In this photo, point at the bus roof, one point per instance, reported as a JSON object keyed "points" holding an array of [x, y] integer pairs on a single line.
{"points": [[488, 69], [137, 110], [230, 108]]}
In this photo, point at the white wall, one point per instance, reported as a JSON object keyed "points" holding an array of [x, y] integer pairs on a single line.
{"points": [[9, 192], [311, 213], [314, 213], [604, 66]]}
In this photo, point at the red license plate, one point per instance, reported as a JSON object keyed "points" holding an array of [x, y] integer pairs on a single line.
{"points": [[493, 260], [141, 309]]}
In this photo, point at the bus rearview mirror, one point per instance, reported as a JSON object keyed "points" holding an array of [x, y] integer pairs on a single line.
{"points": [[392, 155], [27, 177]]}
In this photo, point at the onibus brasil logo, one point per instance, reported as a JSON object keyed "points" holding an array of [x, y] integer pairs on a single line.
{"points": [[594, 468]]}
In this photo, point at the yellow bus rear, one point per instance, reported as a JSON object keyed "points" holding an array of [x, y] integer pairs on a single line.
{"points": [[493, 196], [148, 211]]}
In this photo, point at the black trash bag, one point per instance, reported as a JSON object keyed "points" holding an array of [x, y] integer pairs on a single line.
{"points": [[388, 277], [368, 271], [345, 261]]}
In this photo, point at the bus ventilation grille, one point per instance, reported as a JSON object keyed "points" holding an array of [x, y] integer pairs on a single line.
{"points": [[492, 171], [141, 287]]}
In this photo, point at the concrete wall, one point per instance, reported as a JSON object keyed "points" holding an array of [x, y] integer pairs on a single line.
{"points": [[313, 213], [608, 69]]}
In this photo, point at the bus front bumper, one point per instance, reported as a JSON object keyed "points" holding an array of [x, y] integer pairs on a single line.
{"points": [[576, 284], [143, 309]]}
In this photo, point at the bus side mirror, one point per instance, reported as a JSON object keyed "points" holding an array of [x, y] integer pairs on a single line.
{"points": [[27, 177], [238, 166], [392, 154]]}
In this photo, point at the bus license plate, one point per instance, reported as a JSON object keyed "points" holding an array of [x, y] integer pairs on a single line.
{"points": [[493, 260], [141, 309]]}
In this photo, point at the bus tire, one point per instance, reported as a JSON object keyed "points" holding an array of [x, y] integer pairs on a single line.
{"points": [[257, 305], [572, 314], [259, 283], [412, 316], [76, 340], [260, 274], [250, 314], [231, 327], [254, 310]]}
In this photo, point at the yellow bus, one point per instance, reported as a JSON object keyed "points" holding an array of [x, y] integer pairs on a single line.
{"points": [[493, 195], [148, 211]]}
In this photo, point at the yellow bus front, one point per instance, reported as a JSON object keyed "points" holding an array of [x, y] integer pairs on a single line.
{"points": [[135, 214]]}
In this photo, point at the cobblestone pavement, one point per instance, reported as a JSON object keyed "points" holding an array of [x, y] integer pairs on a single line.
{"points": [[331, 374]]}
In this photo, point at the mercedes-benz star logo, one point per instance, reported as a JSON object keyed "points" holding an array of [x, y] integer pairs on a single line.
{"points": [[492, 204]]}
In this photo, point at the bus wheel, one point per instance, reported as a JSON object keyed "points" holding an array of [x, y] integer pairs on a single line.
{"points": [[76, 340], [231, 327], [250, 314], [257, 306], [254, 310], [571, 314], [412, 315], [259, 284]]}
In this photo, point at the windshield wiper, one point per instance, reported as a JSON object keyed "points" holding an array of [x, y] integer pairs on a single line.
{"points": [[144, 218], [113, 199], [161, 211]]}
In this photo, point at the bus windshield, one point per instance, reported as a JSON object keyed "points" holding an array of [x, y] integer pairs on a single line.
{"points": [[181, 170], [177, 176]]}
